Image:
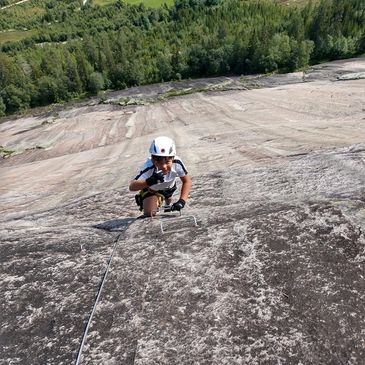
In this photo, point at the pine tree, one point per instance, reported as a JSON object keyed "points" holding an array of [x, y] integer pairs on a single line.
{"points": [[74, 84], [2, 107]]}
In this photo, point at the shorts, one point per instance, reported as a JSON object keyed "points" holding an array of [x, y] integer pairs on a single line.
{"points": [[161, 194]]}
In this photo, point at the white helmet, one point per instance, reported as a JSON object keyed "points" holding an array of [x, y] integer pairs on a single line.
{"points": [[163, 146]]}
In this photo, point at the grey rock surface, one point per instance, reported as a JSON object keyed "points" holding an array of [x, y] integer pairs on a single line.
{"points": [[272, 274]]}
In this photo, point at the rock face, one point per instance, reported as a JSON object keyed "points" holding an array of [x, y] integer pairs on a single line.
{"points": [[272, 274]]}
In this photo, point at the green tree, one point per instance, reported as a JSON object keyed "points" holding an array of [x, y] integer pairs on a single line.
{"points": [[165, 70], [8, 72], [300, 54], [198, 61], [361, 43], [178, 61], [255, 53], [219, 60], [84, 68], [15, 99], [2, 107], [74, 84], [133, 72], [121, 45], [239, 54], [48, 90], [96, 83], [90, 50], [118, 76], [279, 50]]}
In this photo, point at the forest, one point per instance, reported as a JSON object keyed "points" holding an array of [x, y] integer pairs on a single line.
{"points": [[67, 50]]}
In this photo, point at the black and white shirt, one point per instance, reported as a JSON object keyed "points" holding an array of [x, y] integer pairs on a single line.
{"points": [[178, 170]]}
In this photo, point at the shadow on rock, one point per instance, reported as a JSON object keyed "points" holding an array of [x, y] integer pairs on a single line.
{"points": [[115, 225]]}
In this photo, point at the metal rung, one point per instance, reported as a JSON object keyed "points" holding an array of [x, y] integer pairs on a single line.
{"points": [[177, 219]]}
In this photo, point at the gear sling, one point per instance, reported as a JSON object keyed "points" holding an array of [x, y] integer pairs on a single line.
{"points": [[161, 194]]}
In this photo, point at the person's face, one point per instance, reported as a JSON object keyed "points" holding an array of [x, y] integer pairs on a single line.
{"points": [[163, 163]]}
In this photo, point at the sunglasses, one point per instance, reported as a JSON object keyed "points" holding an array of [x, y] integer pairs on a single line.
{"points": [[162, 158]]}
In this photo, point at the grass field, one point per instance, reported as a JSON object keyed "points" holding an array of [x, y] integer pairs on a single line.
{"points": [[148, 3], [103, 2], [15, 36], [152, 3]]}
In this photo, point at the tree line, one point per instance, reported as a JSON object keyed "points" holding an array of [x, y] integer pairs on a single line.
{"points": [[79, 51]]}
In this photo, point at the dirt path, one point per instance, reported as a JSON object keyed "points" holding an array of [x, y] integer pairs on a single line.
{"points": [[10, 5]]}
